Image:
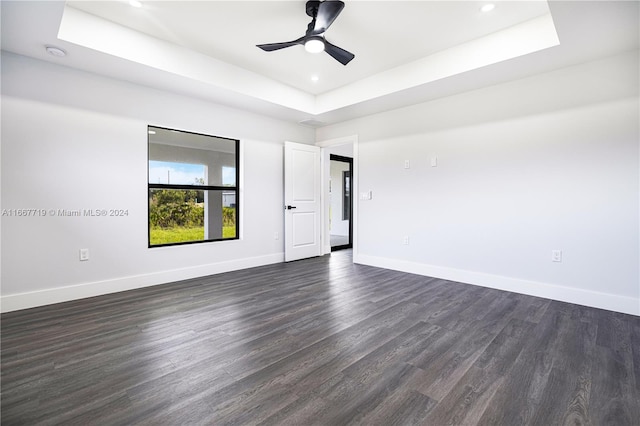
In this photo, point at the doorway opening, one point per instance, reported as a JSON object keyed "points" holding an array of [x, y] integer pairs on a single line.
{"points": [[341, 202]]}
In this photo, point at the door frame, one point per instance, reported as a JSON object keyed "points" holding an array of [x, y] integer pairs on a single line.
{"points": [[326, 146], [349, 161]]}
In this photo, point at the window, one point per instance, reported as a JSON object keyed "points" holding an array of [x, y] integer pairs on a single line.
{"points": [[193, 192]]}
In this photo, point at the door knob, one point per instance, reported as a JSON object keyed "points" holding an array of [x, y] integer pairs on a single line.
{"points": [[290, 207]]}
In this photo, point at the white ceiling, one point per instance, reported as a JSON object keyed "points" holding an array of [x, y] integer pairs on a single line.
{"points": [[382, 34], [406, 51]]}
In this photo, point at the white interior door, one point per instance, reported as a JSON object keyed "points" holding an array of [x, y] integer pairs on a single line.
{"points": [[302, 223]]}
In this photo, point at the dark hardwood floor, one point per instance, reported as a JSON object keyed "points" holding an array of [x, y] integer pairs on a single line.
{"points": [[319, 342]]}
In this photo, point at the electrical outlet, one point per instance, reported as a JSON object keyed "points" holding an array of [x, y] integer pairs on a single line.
{"points": [[84, 254], [556, 255], [405, 240]]}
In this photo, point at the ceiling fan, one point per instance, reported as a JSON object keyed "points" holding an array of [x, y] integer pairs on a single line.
{"points": [[323, 14]]}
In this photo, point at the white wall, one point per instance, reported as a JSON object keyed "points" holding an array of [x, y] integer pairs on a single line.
{"points": [[74, 140], [548, 162]]}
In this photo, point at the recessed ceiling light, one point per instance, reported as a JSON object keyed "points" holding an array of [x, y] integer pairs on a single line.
{"points": [[135, 3], [55, 51], [315, 78], [487, 7]]}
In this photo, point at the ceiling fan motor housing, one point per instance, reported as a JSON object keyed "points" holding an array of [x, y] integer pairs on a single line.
{"points": [[312, 8]]}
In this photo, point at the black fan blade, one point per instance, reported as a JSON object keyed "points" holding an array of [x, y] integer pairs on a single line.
{"points": [[277, 46], [338, 53], [328, 11]]}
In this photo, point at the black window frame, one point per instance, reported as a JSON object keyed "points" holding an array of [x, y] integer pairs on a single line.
{"points": [[235, 188]]}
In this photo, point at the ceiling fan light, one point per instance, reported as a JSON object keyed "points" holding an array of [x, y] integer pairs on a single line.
{"points": [[314, 45]]}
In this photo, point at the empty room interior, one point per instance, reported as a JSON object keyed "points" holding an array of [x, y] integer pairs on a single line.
{"points": [[320, 212]]}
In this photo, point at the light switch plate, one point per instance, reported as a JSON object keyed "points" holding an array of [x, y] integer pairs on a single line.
{"points": [[84, 254]]}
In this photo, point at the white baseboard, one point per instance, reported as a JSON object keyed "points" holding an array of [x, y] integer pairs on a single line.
{"points": [[627, 305], [611, 302], [14, 302]]}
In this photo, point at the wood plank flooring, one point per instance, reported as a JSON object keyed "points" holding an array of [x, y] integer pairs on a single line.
{"points": [[319, 342]]}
